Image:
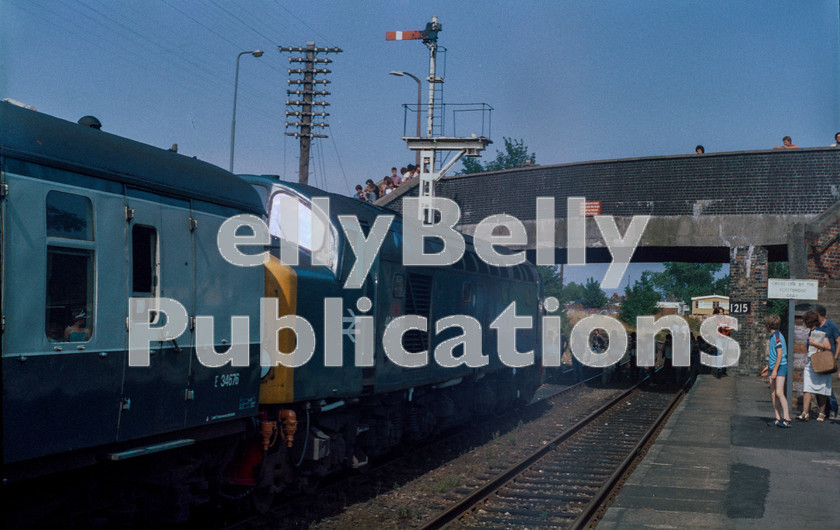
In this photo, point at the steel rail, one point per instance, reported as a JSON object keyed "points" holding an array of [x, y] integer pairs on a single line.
{"points": [[589, 511], [484, 492]]}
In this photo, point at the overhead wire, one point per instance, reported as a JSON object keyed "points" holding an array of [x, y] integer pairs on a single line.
{"points": [[340, 165], [154, 50]]}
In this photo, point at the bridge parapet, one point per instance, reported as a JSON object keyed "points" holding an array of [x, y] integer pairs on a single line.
{"points": [[792, 182]]}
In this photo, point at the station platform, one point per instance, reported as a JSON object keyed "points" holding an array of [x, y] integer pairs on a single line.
{"points": [[718, 464]]}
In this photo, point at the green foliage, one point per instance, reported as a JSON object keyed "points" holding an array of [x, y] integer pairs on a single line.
{"points": [[471, 165], [681, 281], [552, 281], [639, 300], [514, 155], [778, 269], [573, 292], [593, 296]]}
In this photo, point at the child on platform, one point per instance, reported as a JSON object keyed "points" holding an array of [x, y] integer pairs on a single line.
{"points": [[777, 370]]}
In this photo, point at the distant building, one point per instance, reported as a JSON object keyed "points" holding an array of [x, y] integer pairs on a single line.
{"points": [[671, 308], [704, 305]]}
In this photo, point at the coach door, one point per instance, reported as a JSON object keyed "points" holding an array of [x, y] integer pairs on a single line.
{"points": [[160, 256], [222, 291]]}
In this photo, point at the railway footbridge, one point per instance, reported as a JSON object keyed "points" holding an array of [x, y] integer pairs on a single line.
{"points": [[744, 208]]}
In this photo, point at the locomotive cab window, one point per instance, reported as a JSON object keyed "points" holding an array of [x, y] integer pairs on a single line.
{"points": [[311, 232], [69, 302]]}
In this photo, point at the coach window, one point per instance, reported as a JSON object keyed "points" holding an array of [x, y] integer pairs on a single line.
{"points": [[69, 303], [311, 229], [144, 261]]}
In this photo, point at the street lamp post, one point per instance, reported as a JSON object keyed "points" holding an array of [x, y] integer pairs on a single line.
{"points": [[255, 53], [419, 103]]}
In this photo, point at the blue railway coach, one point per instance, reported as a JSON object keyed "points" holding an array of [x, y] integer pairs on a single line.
{"points": [[90, 219]]}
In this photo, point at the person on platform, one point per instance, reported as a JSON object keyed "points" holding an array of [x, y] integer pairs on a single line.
{"points": [[723, 329], [812, 382], [631, 352], [776, 369], [836, 140], [787, 144], [832, 333], [668, 358], [700, 150]]}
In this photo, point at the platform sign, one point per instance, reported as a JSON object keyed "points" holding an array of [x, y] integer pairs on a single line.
{"points": [[792, 289], [740, 308], [590, 208]]}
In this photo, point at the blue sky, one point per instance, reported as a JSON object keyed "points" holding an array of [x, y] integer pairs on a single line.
{"points": [[576, 80]]}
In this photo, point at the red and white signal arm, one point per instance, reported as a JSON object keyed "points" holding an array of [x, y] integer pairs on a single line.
{"points": [[404, 35]]}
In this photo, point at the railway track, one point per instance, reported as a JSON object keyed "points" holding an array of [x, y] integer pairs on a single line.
{"points": [[298, 511], [564, 483]]}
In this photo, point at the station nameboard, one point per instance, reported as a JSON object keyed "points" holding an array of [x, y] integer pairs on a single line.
{"points": [[792, 289]]}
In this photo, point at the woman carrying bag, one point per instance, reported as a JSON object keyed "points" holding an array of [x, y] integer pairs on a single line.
{"points": [[812, 382]]}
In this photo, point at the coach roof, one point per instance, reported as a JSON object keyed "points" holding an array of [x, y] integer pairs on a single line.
{"points": [[29, 135]]}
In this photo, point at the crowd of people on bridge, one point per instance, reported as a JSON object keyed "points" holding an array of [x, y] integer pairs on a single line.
{"points": [[372, 191]]}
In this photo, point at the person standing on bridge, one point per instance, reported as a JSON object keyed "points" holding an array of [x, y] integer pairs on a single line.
{"points": [[836, 140], [787, 144], [371, 191], [700, 150]]}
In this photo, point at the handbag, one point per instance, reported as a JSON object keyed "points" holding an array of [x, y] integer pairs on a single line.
{"points": [[823, 362]]}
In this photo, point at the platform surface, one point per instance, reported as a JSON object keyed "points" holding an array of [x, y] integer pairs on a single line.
{"points": [[718, 464]]}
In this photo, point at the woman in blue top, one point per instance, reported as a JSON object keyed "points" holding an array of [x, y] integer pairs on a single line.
{"points": [[777, 369]]}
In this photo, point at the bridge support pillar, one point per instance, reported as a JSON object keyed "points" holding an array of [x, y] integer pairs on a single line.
{"points": [[748, 283]]}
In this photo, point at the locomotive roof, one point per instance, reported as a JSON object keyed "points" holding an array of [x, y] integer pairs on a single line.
{"points": [[344, 205], [34, 136]]}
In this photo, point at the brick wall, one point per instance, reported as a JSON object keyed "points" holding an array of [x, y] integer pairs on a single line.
{"points": [[748, 283], [821, 247], [799, 181], [823, 250]]}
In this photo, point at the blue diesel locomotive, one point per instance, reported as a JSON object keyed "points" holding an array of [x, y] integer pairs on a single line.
{"points": [[89, 219]]}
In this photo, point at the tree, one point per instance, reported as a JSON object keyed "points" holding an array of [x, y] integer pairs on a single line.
{"points": [[572, 292], [552, 281], [552, 284], [639, 300], [471, 165], [681, 281], [778, 269], [514, 155], [593, 296]]}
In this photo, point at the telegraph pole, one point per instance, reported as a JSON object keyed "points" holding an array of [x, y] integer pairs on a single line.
{"points": [[308, 102]]}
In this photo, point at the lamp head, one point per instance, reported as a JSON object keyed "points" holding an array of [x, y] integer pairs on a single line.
{"points": [[396, 73], [257, 53]]}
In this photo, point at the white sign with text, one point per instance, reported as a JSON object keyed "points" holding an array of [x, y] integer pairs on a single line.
{"points": [[792, 289]]}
